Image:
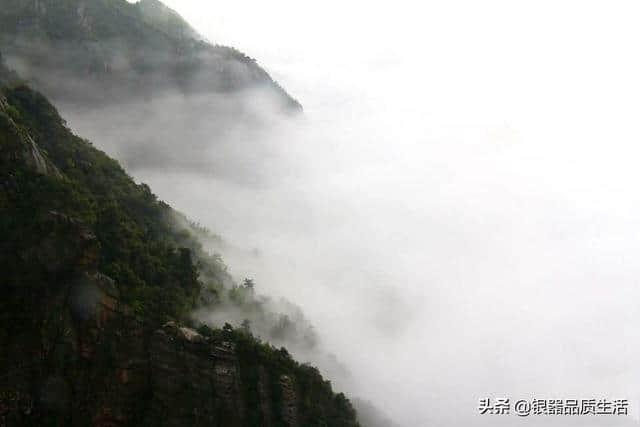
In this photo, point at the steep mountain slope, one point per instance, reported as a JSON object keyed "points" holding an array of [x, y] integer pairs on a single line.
{"points": [[94, 52], [160, 16], [99, 279]]}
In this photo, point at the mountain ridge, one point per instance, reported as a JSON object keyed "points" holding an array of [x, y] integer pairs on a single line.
{"points": [[98, 289], [125, 50], [144, 271]]}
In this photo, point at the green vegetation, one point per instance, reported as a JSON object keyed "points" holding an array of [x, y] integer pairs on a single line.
{"points": [[91, 216], [121, 50], [254, 355], [138, 242]]}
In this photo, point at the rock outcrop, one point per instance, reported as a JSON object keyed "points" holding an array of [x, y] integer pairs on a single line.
{"points": [[16, 145], [92, 270], [98, 367], [74, 354]]}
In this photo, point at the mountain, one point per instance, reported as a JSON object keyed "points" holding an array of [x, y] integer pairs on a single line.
{"points": [[96, 52], [99, 282], [113, 313], [164, 18], [119, 71]]}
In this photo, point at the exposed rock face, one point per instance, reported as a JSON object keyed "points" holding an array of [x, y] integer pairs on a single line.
{"points": [[194, 382], [91, 273], [89, 361], [16, 145], [101, 369], [289, 401], [67, 247], [80, 357]]}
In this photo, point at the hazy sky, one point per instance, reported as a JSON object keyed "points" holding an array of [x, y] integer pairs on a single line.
{"points": [[459, 215]]}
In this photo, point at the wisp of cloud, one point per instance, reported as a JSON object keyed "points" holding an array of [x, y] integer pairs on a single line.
{"points": [[456, 211]]}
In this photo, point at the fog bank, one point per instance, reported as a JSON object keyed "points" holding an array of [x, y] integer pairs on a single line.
{"points": [[456, 213]]}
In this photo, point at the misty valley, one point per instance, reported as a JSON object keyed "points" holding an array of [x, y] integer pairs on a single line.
{"points": [[270, 214]]}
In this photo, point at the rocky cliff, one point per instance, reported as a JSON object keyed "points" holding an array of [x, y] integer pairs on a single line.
{"points": [[87, 360], [18, 147], [97, 288]]}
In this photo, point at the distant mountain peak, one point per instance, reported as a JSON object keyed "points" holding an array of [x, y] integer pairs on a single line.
{"points": [[166, 19], [122, 50]]}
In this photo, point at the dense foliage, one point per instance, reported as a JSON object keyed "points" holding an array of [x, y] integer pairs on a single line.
{"points": [[138, 242], [66, 207], [318, 396], [158, 266]]}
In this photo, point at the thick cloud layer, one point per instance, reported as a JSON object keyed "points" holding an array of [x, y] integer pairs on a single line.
{"points": [[456, 213]]}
